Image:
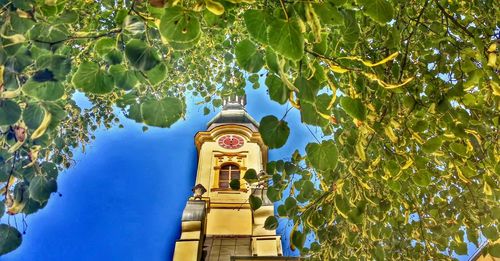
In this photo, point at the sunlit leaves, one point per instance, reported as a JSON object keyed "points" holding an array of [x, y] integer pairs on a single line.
{"points": [[248, 57], [422, 178], [255, 21], [48, 36], [285, 37], [162, 113], [323, 156], [58, 65], [140, 55], [47, 90], [274, 132], [123, 78], [432, 145], [180, 28], [277, 89], [354, 107], [379, 10], [10, 239], [91, 78], [33, 115]]}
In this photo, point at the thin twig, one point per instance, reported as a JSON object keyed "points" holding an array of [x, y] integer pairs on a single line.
{"points": [[284, 9]]}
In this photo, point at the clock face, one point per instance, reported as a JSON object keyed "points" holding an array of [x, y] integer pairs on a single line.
{"points": [[231, 141]]}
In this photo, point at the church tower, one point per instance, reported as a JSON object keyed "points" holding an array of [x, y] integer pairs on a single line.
{"points": [[218, 222]]}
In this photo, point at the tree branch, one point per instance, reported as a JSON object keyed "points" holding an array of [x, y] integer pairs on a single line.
{"points": [[466, 31]]}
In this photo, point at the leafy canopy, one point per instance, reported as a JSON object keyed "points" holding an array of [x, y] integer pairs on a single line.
{"points": [[404, 94]]}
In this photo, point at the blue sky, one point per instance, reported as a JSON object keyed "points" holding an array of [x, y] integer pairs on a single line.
{"points": [[124, 197]]}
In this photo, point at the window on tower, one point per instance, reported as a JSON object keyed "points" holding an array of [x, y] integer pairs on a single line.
{"points": [[227, 173]]}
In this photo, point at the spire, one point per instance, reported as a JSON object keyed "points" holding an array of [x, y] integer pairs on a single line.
{"points": [[234, 102], [233, 112]]}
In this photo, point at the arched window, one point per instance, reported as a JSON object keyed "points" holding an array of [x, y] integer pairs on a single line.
{"points": [[227, 173]]}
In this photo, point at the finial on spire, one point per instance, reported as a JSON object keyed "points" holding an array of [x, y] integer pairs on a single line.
{"points": [[235, 102]]}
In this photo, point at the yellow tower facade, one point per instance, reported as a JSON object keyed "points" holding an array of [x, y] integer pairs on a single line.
{"points": [[218, 222]]}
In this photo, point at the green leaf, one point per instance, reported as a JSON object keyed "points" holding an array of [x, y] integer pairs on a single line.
{"points": [[491, 233], [41, 187], [123, 78], [422, 178], [48, 36], [274, 132], [285, 37], [248, 57], [180, 28], [133, 25], [104, 45], [328, 14], [59, 65], [162, 113], [432, 144], [494, 250], [234, 184], [380, 11], [256, 23], [140, 55], [307, 189], [33, 115], [273, 194], [298, 239], [255, 202], [459, 149], [354, 107], [10, 112], [10, 239], [157, 74], [277, 89], [322, 156], [251, 176], [342, 206], [350, 33], [92, 79], [308, 89], [45, 91], [2, 209], [271, 223], [291, 206], [461, 248]]}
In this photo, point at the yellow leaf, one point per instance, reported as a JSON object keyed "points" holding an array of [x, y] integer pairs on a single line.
{"points": [[43, 126], [10, 94], [385, 85], [370, 64], [215, 7], [417, 137], [495, 87], [408, 164], [487, 189], [292, 102], [335, 68], [334, 93], [7, 186], [16, 146], [360, 150], [461, 175], [1, 75], [390, 133]]}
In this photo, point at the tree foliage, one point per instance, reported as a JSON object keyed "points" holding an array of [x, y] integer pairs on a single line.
{"points": [[405, 93]]}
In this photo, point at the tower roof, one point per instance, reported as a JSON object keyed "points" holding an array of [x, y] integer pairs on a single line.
{"points": [[233, 112]]}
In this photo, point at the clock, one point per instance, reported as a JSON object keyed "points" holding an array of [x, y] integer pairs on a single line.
{"points": [[231, 141]]}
